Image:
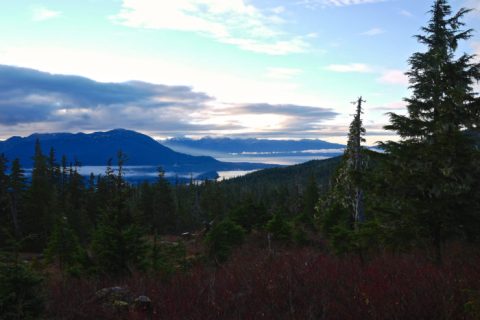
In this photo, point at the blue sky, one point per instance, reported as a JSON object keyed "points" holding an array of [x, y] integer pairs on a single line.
{"points": [[258, 68]]}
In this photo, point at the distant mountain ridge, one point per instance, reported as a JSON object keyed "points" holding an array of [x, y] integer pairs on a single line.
{"points": [[95, 149], [239, 145]]}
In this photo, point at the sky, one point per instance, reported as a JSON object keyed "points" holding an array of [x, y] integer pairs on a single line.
{"points": [[272, 69]]}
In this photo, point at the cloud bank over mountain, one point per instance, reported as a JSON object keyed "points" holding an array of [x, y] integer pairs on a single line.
{"points": [[48, 102]]}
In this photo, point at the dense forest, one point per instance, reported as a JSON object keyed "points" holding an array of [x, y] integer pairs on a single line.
{"points": [[371, 235]]}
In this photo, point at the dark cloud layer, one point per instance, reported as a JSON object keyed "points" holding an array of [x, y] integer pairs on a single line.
{"points": [[289, 110], [72, 103], [82, 92], [28, 96], [300, 120]]}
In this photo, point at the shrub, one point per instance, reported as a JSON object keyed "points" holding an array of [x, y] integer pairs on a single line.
{"points": [[118, 250], [280, 229], [223, 238], [63, 246], [20, 289], [296, 284], [167, 257]]}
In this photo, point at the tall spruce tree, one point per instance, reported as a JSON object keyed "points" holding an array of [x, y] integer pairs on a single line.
{"points": [[434, 167], [17, 187], [40, 218], [63, 246], [342, 209], [356, 164], [118, 244], [163, 217], [5, 216]]}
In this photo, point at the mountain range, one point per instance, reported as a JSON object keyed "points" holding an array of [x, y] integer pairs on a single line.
{"points": [[225, 148], [95, 149]]}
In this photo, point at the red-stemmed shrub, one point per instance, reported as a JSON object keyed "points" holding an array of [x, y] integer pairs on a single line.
{"points": [[292, 283]]}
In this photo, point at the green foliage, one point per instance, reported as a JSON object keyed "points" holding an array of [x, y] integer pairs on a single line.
{"points": [[310, 201], [366, 239], [433, 173], [155, 205], [118, 249], [72, 203], [212, 201], [290, 176], [472, 307], [17, 185], [63, 246], [332, 212], [336, 211], [167, 257], [300, 236], [118, 244], [342, 209], [280, 228], [223, 237], [21, 296], [343, 240], [164, 217], [336, 221], [250, 215], [39, 215], [5, 207]]}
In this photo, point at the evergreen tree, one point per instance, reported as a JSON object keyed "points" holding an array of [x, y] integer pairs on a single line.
{"points": [[279, 227], [63, 175], [249, 214], [5, 212], [75, 202], [21, 296], [144, 201], [164, 217], [434, 168], [356, 164], [310, 200], [40, 218], [17, 187], [63, 246], [53, 168], [91, 205], [118, 244], [342, 211], [222, 239], [118, 249], [212, 201]]}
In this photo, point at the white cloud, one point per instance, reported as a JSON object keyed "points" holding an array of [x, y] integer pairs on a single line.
{"points": [[473, 4], [373, 32], [336, 3], [278, 10], [282, 73], [233, 22], [42, 14], [406, 13], [103, 66], [350, 2], [281, 47], [394, 77], [352, 67]]}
